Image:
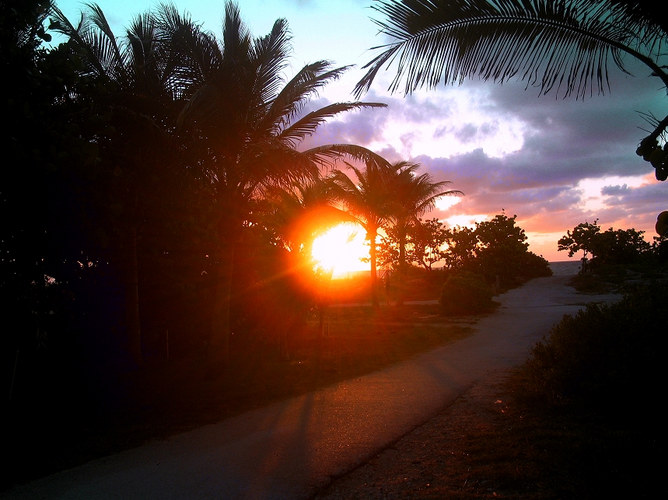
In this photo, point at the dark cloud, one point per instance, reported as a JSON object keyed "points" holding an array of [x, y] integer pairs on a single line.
{"points": [[615, 190]]}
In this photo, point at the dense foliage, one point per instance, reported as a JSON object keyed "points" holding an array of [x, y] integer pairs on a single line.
{"points": [[139, 226], [465, 292], [492, 256], [610, 247], [496, 249]]}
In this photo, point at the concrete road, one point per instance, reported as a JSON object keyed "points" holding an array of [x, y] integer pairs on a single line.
{"points": [[289, 449]]}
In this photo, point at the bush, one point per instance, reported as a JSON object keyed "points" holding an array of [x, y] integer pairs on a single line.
{"points": [[535, 266], [466, 293], [605, 355]]}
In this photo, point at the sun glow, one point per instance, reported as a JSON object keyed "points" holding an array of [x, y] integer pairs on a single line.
{"points": [[341, 250]]}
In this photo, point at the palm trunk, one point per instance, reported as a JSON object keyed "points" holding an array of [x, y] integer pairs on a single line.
{"points": [[220, 317], [401, 267], [373, 257], [132, 315], [221, 325]]}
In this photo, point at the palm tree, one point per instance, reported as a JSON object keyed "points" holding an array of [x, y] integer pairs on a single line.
{"points": [[245, 123], [368, 200], [133, 85], [563, 46], [412, 196]]}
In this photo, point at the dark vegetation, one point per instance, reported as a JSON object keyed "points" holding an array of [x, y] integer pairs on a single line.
{"points": [[605, 352], [154, 259], [162, 398], [466, 293], [581, 418], [585, 408]]}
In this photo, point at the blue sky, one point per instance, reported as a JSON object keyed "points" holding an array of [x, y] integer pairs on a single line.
{"points": [[552, 162]]}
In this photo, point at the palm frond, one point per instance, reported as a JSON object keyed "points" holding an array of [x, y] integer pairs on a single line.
{"points": [[145, 64], [415, 193], [272, 163], [308, 124], [104, 44], [368, 196], [192, 53], [327, 155], [564, 47], [236, 35], [289, 102], [83, 36], [271, 53], [427, 193]]}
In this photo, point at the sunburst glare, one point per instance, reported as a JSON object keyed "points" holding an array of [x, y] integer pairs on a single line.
{"points": [[341, 250]]}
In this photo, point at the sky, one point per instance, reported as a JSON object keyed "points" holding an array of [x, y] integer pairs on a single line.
{"points": [[552, 162]]}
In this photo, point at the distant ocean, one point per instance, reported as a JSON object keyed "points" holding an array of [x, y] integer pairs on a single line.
{"points": [[565, 267]]}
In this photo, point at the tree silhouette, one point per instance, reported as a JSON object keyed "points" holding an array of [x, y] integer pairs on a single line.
{"points": [[302, 212], [621, 246], [427, 239], [413, 194], [130, 83], [579, 239]]}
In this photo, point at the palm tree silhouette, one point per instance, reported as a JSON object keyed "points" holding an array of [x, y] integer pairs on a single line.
{"points": [[413, 195], [245, 124], [134, 85], [230, 118], [302, 212], [367, 198]]}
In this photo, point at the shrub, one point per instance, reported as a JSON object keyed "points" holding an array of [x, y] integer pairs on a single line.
{"points": [[605, 355], [535, 266], [466, 293]]}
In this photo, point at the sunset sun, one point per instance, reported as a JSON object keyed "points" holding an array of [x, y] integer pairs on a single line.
{"points": [[341, 250]]}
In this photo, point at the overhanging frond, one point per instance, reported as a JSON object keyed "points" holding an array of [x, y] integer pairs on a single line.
{"points": [[271, 53], [564, 47]]}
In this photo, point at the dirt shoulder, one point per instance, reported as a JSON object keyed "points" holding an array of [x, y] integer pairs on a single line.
{"points": [[492, 442]]}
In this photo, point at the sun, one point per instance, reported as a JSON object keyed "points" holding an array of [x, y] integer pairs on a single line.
{"points": [[341, 250]]}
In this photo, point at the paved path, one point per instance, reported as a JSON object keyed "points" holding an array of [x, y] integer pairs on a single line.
{"points": [[290, 449]]}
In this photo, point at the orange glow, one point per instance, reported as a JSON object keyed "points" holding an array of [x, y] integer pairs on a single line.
{"points": [[340, 250]]}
